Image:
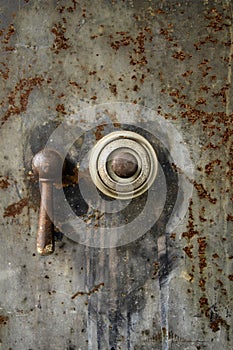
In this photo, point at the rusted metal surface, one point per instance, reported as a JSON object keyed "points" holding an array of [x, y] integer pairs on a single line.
{"points": [[58, 57]]}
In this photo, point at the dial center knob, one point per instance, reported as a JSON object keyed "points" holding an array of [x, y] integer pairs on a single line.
{"points": [[124, 164]]}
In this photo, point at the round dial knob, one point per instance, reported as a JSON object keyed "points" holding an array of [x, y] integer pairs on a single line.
{"points": [[123, 164]]}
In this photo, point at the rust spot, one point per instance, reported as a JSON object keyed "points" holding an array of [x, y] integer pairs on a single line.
{"points": [[113, 89], [202, 219], [188, 251], [219, 321], [92, 72], [5, 71], [201, 101], [209, 168], [220, 282], [191, 231], [61, 108], [93, 290], [137, 57], [202, 192], [215, 20], [166, 32], [15, 208], [117, 125], [202, 283], [60, 41], [156, 268], [98, 132], [202, 259], [187, 73], [10, 32], [181, 55], [73, 83], [207, 39], [18, 98], [4, 183], [173, 236], [3, 320], [123, 40], [191, 277], [203, 302]]}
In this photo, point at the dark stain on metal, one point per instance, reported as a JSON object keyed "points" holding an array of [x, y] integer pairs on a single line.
{"points": [[93, 290]]}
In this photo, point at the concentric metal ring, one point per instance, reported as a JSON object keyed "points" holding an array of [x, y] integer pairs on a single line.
{"points": [[109, 182]]}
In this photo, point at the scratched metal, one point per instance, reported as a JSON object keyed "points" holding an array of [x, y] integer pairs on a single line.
{"points": [[174, 57]]}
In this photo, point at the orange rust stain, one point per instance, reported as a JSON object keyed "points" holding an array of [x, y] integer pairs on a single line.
{"points": [[202, 283], [113, 89], [188, 251], [4, 183], [181, 55], [3, 320], [18, 97], [209, 168], [7, 36], [98, 132], [191, 231], [201, 251], [15, 208], [61, 108], [60, 41], [202, 192], [4, 72]]}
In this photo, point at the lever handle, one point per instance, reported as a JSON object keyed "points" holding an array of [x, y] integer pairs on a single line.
{"points": [[47, 164]]}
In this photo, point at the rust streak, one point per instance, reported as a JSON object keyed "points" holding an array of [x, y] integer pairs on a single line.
{"points": [[15, 208], [93, 290]]}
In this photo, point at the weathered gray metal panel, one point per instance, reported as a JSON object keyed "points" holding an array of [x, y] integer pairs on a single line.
{"points": [[59, 57]]}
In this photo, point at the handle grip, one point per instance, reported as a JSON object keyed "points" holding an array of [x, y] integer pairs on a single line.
{"points": [[48, 165], [45, 236]]}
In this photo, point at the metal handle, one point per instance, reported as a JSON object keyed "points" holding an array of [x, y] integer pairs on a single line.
{"points": [[47, 164]]}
